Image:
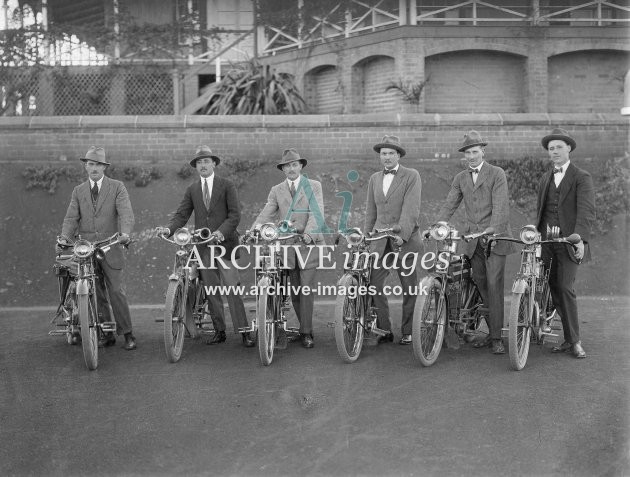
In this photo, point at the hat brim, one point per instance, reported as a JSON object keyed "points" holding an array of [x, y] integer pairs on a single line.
{"points": [[216, 159], [468, 146], [85, 159], [301, 159], [569, 140], [381, 145]]}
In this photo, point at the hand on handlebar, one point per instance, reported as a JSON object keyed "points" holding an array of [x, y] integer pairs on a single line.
{"points": [[159, 230], [124, 239], [219, 236], [398, 241]]}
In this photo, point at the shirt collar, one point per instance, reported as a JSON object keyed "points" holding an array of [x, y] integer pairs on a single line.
{"points": [[295, 182], [99, 183], [394, 168], [564, 167], [210, 179], [479, 166]]}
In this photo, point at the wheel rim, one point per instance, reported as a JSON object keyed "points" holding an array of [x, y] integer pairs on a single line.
{"points": [[269, 328], [523, 325], [177, 319], [432, 325], [352, 326]]}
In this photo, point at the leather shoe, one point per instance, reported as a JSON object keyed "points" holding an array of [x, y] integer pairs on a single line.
{"points": [[307, 340], [386, 338], [107, 340], [219, 337], [248, 340], [563, 348], [484, 343], [405, 340], [497, 347], [130, 342], [578, 351]]}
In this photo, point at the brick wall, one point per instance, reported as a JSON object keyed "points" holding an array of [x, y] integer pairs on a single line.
{"points": [[587, 81], [375, 75], [322, 91], [475, 82], [320, 137]]}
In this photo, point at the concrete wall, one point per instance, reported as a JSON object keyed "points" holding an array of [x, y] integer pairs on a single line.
{"points": [[318, 137]]}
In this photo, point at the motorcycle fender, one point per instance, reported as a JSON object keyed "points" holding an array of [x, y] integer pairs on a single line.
{"points": [[519, 286], [82, 287], [430, 279], [173, 276]]}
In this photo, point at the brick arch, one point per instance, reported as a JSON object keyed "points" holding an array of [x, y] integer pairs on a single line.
{"points": [[370, 76], [476, 44], [587, 81], [475, 81], [577, 45], [323, 90]]}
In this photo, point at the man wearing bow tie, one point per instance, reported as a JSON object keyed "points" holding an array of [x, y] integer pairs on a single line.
{"points": [[566, 199], [393, 199], [214, 201], [483, 189], [100, 207]]}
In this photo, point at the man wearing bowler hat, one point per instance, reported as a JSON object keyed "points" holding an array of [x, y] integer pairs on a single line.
{"points": [[483, 189], [299, 200], [214, 201], [393, 199], [99, 208], [566, 199]]}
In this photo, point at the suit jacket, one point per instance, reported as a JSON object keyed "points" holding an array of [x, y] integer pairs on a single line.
{"points": [[486, 205], [111, 214], [401, 206], [277, 209], [576, 204], [223, 214]]}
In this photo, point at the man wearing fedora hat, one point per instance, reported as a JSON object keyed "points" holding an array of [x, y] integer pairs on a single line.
{"points": [[299, 200], [99, 208], [393, 199], [566, 199], [214, 201], [484, 191]]}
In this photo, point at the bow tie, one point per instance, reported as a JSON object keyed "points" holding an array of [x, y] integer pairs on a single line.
{"points": [[389, 171], [557, 171], [473, 170]]}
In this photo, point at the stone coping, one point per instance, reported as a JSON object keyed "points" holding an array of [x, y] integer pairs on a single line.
{"points": [[310, 121]]}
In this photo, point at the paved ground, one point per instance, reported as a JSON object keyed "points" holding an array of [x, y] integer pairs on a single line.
{"points": [[219, 412]]}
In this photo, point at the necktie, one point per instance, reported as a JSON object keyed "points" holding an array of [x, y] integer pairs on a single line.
{"points": [[473, 170], [390, 171], [557, 171], [206, 194], [292, 189], [94, 191]]}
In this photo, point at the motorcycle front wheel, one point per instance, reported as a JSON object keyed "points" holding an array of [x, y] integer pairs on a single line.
{"points": [[89, 329], [265, 319], [520, 328], [349, 320], [174, 316], [429, 321]]}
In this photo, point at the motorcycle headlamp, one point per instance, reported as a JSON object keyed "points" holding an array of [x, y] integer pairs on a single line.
{"points": [[440, 231], [354, 237], [529, 234], [182, 237], [82, 248], [268, 232]]}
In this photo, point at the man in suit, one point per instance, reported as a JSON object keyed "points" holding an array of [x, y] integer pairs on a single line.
{"points": [[566, 199], [393, 199], [214, 201], [100, 207], [483, 189], [299, 200]]}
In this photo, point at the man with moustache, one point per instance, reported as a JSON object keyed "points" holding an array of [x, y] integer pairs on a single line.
{"points": [[214, 201], [393, 199], [299, 200], [566, 199], [483, 189], [99, 208]]}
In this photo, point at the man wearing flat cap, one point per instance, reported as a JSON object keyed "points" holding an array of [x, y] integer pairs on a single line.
{"points": [[299, 200], [483, 189], [99, 208], [566, 199], [214, 201], [393, 199]]}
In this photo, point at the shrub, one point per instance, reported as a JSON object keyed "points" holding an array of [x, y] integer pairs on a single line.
{"points": [[47, 177]]}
